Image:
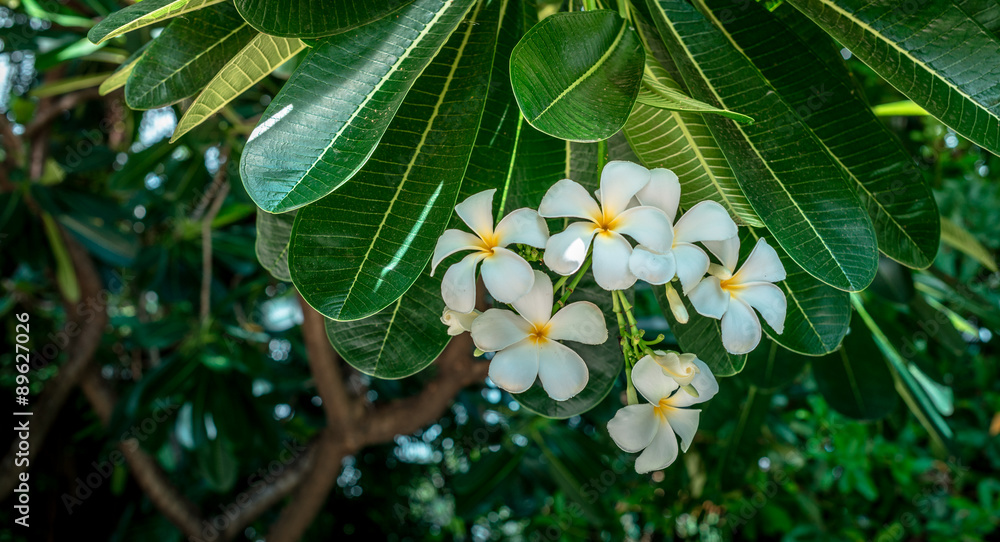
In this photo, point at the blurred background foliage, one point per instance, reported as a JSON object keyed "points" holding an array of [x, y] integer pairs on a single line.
{"points": [[778, 457]]}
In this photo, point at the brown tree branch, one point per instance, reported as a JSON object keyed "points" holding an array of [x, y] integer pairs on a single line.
{"points": [[81, 335], [65, 102], [325, 367]]}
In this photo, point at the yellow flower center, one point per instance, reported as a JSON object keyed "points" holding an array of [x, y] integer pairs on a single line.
{"points": [[538, 333], [662, 407]]}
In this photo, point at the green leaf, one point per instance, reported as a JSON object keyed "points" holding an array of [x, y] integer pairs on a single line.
{"points": [[904, 108], [118, 78], [960, 239], [314, 18], [65, 270], [358, 250], [818, 315], [143, 14], [273, 235], [660, 91], [855, 384], [935, 54], [576, 75], [795, 187], [259, 58], [700, 336], [604, 362], [102, 240], [771, 367], [186, 56], [802, 65], [402, 339], [329, 117]]}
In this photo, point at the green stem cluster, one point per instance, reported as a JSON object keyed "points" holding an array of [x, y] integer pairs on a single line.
{"points": [[633, 346], [568, 291]]}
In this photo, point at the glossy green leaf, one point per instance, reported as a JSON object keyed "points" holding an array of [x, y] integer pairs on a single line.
{"points": [[358, 250], [399, 341], [855, 380], [960, 239], [905, 108], [771, 367], [933, 53], [314, 18], [259, 58], [576, 75], [818, 315], [801, 63], [701, 336], [143, 14], [120, 76], [659, 90], [185, 57], [604, 362], [274, 232], [329, 117], [796, 188]]}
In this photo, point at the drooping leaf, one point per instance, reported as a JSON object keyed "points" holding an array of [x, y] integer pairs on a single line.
{"points": [[803, 66], [855, 380], [818, 315], [576, 75], [314, 18], [143, 14], [65, 271], [700, 336], [259, 58], [185, 57], [935, 54], [118, 78], [358, 250], [274, 232], [659, 90], [796, 188], [399, 341], [905, 108], [960, 239], [329, 117], [604, 362]]}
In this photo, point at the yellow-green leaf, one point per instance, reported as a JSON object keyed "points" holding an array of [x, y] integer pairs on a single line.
{"points": [[959, 238]]}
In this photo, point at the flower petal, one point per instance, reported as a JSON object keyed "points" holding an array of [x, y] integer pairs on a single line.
{"points": [[477, 212], [708, 298], [740, 328], [452, 241], [648, 226], [536, 305], [619, 182], [634, 427], [649, 380], [704, 382], [514, 368], [762, 265], [692, 264], [569, 198], [458, 322], [684, 422], [727, 251], [662, 192], [506, 275], [497, 329], [566, 251], [561, 370], [522, 226], [458, 287], [661, 452], [652, 267], [582, 322], [769, 301], [706, 221], [611, 256]]}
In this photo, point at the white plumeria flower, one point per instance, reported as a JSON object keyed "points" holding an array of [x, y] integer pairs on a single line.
{"points": [[506, 275], [706, 221], [603, 224], [683, 368], [652, 428], [733, 297], [526, 343], [458, 322]]}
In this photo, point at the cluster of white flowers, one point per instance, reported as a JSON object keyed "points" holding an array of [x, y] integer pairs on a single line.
{"points": [[632, 202]]}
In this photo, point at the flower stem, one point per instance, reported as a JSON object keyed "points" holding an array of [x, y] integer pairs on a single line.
{"points": [[559, 283], [627, 352], [572, 286]]}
